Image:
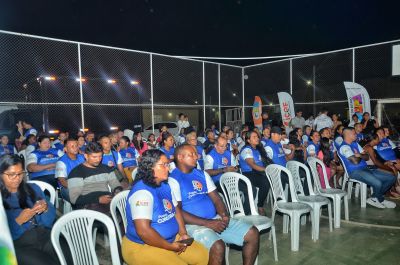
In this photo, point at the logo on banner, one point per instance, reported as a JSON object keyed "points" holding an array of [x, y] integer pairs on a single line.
{"points": [[286, 113]]}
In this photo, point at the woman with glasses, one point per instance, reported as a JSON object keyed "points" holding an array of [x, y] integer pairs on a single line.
{"points": [[155, 225], [30, 217]]}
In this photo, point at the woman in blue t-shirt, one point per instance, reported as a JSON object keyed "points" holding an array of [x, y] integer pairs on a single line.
{"points": [[30, 217], [155, 224], [167, 145]]}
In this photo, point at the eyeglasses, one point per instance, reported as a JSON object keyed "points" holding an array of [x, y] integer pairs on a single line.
{"points": [[13, 175], [163, 164]]}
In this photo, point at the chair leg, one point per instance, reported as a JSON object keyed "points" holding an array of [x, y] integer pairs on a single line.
{"points": [[337, 210], [316, 219], [285, 224], [330, 216], [303, 219], [274, 242], [349, 189], [363, 195], [356, 192], [227, 254], [346, 208], [295, 231]]}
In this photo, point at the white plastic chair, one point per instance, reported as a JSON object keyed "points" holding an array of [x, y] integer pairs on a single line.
{"points": [[118, 203], [293, 209], [230, 186], [46, 187], [314, 200], [77, 228], [335, 194], [359, 185], [5, 235], [134, 172]]}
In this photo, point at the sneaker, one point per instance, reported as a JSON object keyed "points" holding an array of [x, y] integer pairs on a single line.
{"points": [[389, 204], [374, 202]]}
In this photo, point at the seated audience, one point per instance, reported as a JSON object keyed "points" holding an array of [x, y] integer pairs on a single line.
{"points": [[205, 215], [191, 138], [30, 216], [129, 157], [112, 158], [138, 142], [151, 141], [70, 160], [313, 145], [41, 163], [155, 223], [5, 147], [59, 143], [167, 145], [354, 158], [253, 160], [89, 184], [219, 160]]}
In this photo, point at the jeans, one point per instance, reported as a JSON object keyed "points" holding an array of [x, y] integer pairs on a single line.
{"points": [[64, 193], [377, 179]]}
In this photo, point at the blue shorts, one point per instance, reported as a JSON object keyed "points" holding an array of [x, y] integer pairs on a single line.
{"points": [[233, 234]]}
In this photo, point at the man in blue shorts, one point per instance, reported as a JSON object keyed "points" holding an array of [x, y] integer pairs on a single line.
{"points": [[205, 215]]}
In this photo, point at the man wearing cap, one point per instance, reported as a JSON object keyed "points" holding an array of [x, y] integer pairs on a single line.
{"points": [[274, 149]]}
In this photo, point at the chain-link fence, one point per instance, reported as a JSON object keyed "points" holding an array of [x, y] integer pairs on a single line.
{"points": [[64, 85], [316, 81]]}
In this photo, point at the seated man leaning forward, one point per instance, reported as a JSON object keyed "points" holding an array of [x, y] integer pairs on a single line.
{"points": [[204, 212]]}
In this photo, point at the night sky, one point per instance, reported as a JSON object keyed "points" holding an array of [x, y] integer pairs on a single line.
{"points": [[239, 28]]}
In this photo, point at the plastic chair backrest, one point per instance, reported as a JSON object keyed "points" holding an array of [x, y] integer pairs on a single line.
{"points": [[77, 228], [229, 182], [273, 173], [5, 235], [346, 173], [134, 172], [294, 168], [46, 187], [118, 203], [314, 163]]}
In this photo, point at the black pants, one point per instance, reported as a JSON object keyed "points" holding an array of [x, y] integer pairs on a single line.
{"points": [[34, 248], [259, 179]]}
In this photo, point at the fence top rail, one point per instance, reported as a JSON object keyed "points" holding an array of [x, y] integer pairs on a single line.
{"points": [[114, 48], [322, 53]]}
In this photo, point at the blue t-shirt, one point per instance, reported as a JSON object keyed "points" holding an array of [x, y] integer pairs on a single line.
{"points": [[111, 159], [6, 149], [128, 157], [278, 155], [312, 147], [170, 153], [45, 219], [163, 211], [194, 193], [44, 158], [220, 161], [71, 164], [347, 150], [200, 157], [249, 152], [360, 137], [385, 151]]}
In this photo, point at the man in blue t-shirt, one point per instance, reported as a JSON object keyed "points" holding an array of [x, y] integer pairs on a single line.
{"points": [[70, 160], [219, 160], [354, 159], [204, 212]]}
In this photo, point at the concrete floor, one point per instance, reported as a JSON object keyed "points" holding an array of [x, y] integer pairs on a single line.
{"points": [[371, 236]]}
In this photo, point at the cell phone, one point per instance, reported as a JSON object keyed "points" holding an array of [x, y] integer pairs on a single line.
{"points": [[187, 241]]}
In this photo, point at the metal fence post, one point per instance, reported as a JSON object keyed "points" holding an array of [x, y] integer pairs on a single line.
{"points": [[80, 86], [151, 88], [204, 97]]}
